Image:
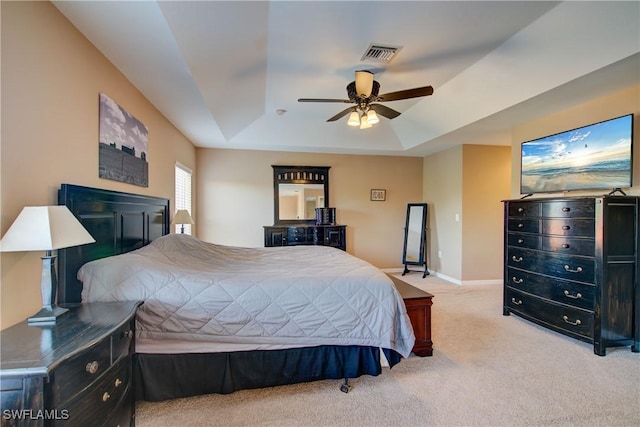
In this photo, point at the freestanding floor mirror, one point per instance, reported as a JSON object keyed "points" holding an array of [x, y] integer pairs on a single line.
{"points": [[415, 238]]}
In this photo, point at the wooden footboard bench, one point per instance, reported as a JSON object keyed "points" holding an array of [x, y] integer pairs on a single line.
{"points": [[418, 303]]}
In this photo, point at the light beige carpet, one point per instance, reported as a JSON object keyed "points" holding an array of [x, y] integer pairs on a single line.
{"points": [[487, 370]]}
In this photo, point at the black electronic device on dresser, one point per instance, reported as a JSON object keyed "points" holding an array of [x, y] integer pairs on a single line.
{"points": [[301, 212], [76, 372], [571, 265]]}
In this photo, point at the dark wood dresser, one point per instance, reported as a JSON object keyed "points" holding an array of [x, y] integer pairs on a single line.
{"points": [[305, 234], [571, 265], [76, 372]]}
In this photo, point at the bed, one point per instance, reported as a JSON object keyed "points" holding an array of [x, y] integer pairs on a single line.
{"points": [[217, 319]]}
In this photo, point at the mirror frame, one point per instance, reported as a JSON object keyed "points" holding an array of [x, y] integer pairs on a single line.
{"points": [[422, 209], [298, 175]]}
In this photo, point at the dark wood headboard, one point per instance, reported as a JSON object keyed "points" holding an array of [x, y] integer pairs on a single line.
{"points": [[119, 222]]}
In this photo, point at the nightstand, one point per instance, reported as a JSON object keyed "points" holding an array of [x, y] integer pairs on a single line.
{"points": [[76, 372]]}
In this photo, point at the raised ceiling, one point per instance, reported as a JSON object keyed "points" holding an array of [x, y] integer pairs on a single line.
{"points": [[224, 72]]}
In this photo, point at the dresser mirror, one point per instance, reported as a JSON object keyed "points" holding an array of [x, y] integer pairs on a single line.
{"points": [[298, 191]]}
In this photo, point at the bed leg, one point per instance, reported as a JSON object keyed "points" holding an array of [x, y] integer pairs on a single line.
{"points": [[345, 387]]}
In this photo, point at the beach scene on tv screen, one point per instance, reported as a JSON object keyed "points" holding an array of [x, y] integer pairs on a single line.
{"points": [[597, 156]]}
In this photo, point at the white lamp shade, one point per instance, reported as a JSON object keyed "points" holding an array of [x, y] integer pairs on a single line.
{"points": [[364, 83], [354, 119], [364, 123], [372, 117], [40, 228], [182, 217]]}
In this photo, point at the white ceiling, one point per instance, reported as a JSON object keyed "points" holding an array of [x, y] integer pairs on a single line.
{"points": [[219, 71]]}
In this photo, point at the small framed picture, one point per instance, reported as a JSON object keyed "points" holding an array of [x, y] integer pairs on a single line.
{"points": [[378, 195]]}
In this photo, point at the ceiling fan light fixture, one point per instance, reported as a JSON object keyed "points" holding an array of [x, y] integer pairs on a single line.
{"points": [[364, 123], [354, 119], [364, 83], [372, 117]]}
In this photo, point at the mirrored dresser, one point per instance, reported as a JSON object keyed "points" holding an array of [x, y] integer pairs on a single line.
{"points": [[299, 194]]}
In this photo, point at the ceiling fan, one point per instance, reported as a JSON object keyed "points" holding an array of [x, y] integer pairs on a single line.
{"points": [[363, 92]]}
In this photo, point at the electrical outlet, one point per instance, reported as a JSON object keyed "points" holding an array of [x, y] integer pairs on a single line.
{"points": [[439, 254]]}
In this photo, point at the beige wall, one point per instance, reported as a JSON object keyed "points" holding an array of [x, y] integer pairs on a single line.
{"points": [[51, 80], [442, 190], [235, 198], [603, 108], [463, 187], [485, 176], [472, 180]]}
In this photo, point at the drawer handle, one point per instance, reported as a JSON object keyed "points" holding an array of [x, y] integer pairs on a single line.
{"points": [[520, 241], [566, 227], [520, 225], [92, 367], [520, 209], [576, 323], [117, 382], [127, 334], [577, 270], [565, 209], [566, 246], [517, 258], [515, 301], [106, 396], [569, 295], [516, 280]]}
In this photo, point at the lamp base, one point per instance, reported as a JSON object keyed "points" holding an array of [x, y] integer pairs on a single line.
{"points": [[47, 315]]}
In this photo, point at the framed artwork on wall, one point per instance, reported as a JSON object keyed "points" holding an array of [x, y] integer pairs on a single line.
{"points": [[378, 195], [123, 145]]}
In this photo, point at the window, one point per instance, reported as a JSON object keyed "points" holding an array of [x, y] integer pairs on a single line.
{"points": [[183, 194]]}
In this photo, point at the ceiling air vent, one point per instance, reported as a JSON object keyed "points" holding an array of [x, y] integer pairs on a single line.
{"points": [[379, 53]]}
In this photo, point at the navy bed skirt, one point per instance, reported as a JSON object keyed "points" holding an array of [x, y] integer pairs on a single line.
{"points": [[169, 376]]}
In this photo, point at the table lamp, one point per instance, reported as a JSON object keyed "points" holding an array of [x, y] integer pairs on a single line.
{"points": [[182, 217], [45, 228]]}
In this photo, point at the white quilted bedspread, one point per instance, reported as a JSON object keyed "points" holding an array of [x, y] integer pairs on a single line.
{"points": [[297, 295]]}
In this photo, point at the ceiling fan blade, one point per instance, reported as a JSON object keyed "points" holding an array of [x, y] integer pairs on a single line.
{"points": [[341, 114], [384, 111], [406, 94], [347, 101]]}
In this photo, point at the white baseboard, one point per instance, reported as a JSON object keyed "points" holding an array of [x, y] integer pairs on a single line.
{"points": [[469, 282], [482, 282]]}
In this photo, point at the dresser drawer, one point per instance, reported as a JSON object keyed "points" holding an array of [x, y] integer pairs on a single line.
{"points": [[523, 225], [121, 341], [123, 414], [569, 227], [527, 241], [581, 269], [73, 375], [569, 246], [300, 235], [563, 291], [275, 236], [524, 209], [569, 209], [567, 319], [102, 398]]}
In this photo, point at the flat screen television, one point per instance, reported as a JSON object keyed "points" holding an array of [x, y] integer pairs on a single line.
{"points": [[597, 156]]}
